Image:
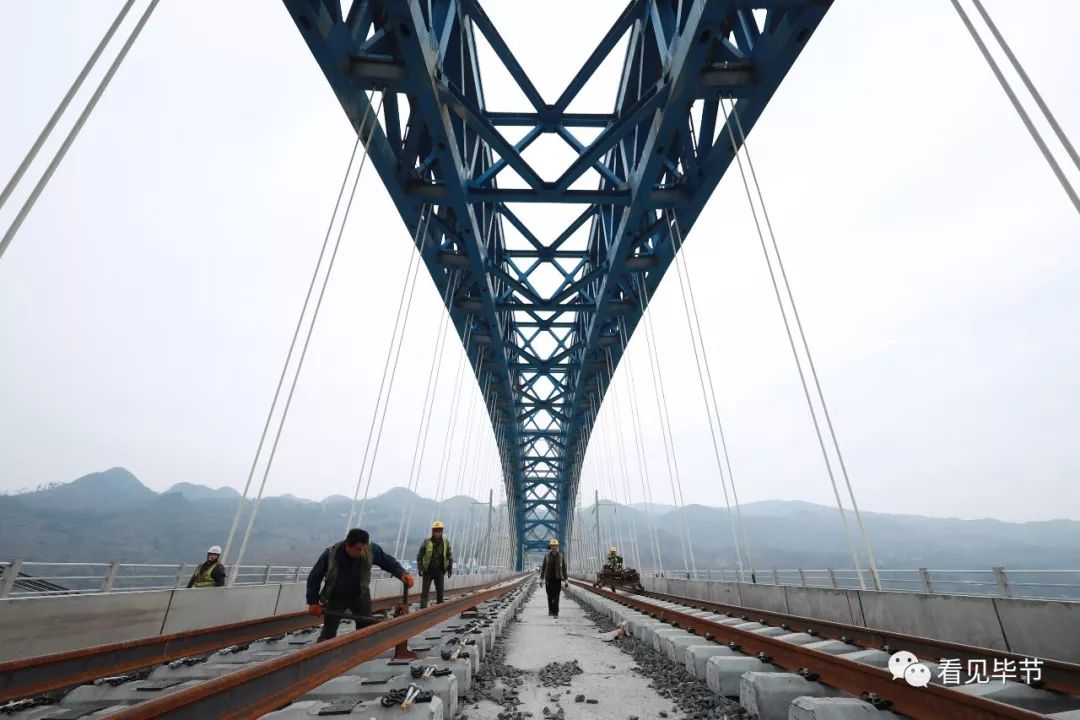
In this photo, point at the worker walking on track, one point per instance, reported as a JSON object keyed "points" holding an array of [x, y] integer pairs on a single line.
{"points": [[435, 561], [341, 579], [211, 573], [553, 572]]}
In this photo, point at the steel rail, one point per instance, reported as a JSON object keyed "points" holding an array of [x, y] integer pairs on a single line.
{"points": [[44, 673], [271, 684], [932, 702], [1057, 675]]}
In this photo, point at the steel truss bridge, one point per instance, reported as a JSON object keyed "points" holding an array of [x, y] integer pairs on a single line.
{"points": [[544, 320]]}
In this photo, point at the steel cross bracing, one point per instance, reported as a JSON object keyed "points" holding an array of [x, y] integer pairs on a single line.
{"points": [[544, 352]]}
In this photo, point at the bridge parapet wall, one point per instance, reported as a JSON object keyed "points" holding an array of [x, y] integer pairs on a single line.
{"points": [[41, 625], [1043, 628]]}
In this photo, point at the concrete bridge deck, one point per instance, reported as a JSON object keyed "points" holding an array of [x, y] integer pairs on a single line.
{"points": [[549, 667]]}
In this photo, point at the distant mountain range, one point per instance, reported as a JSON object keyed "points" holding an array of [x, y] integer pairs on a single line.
{"points": [[791, 534], [112, 516]]}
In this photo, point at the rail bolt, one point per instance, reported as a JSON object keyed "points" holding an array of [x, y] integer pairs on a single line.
{"points": [[876, 700]]}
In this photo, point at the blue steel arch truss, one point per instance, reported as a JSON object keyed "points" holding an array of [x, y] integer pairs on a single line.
{"points": [[544, 319]]}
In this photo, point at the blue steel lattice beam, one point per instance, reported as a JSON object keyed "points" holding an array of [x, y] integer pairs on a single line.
{"points": [[544, 319]]}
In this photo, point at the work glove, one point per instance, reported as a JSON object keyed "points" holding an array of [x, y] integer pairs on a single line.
{"points": [[315, 610], [449, 571], [408, 580]]}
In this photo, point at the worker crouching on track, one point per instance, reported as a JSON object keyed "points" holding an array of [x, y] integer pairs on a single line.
{"points": [[211, 573], [434, 562], [614, 560], [341, 579], [553, 572]]}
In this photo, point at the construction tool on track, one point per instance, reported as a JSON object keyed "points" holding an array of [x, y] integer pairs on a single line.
{"points": [[619, 578], [361, 621]]}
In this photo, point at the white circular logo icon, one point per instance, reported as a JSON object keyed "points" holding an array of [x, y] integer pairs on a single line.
{"points": [[899, 662], [917, 675]]}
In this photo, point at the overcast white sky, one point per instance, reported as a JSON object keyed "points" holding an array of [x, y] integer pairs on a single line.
{"points": [[147, 303]]}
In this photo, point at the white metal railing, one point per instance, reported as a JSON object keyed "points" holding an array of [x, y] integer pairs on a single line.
{"points": [[1015, 583], [19, 578]]}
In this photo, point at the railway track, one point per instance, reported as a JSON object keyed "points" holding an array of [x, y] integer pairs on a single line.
{"points": [[46, 673], [843, 657], [269, 685]]}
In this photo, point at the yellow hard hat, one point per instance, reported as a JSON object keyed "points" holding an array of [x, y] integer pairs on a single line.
{"points": [[437, 525], [553, 543], [613, 551]]}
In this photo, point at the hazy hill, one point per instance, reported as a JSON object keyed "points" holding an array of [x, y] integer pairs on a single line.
{"points": [[200, 492], [794, 534], [112, 516], [103, 492]]}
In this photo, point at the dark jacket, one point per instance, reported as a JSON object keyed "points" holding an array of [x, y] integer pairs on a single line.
{"points": [[217, 574], [348, 583], [436, 566], [553, 569]]}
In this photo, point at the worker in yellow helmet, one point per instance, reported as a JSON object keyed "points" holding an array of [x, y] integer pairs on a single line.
{"points": [[435, 561], [614, 559], [553, 572], [211, 573]]}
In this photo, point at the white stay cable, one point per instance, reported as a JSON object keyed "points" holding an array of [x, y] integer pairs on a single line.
{"points": [[28, 204], [467, 532], [794, 352], [604, 472], [610, 466], [628, 522], [480, 540], [810, 359], [292, 346], [472, 437], [393, 351], [62, 107], [620, 453], [307, 341], [683, 271], [451, 434], [1035, 135], [1061, 136], [425, 418], [451, 429], [664, 438], [612, 454], [665, 424], [475, 474], [390, 388], [643, 462]]}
